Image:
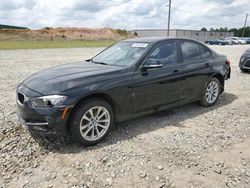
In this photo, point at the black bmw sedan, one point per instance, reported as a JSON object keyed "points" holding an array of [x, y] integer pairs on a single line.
{"points": [[131, 78], [245, 61]]}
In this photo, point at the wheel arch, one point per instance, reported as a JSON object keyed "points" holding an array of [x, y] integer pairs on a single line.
{"points": [[102, 96], [221, 79]]}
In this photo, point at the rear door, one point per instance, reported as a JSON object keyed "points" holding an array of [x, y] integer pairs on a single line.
{"points": [[197, 61]]}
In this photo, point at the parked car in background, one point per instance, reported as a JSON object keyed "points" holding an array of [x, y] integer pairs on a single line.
{"points": [[247, 40], [217, 42], [129, 79], [245, 61], [242, 41], [235, 40], [230, 41]]}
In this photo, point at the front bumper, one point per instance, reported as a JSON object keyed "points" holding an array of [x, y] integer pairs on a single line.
{"points": [[46, 120], [39, 126]]}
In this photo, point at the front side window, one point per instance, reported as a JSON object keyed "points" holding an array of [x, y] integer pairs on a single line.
{"points": [[190, 51], [122, 54], [165, 53]]}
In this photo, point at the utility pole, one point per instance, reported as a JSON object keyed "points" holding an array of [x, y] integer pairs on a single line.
{"points": [[169, 13], [244, 26]]}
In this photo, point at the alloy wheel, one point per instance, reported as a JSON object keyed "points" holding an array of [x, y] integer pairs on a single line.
{"points": [[212, 92], [95, 123]]}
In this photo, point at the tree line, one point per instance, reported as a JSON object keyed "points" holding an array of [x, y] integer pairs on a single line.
{"points": [[11, 27], [237, 31]]}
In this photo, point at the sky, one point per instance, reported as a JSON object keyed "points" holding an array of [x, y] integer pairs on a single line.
{"points": [[124, 14]]}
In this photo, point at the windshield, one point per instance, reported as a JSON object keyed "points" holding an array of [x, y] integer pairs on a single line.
{"points": [[121, 54]]}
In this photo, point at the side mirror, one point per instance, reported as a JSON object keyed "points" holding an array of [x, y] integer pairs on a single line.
{"points": [[152, 64]]}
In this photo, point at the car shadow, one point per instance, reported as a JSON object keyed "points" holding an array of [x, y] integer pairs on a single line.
{"points": [[135, 127], [246, 72]]}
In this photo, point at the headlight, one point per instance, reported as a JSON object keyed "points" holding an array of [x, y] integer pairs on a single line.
{"points": [[242, 59], [48, 101]]}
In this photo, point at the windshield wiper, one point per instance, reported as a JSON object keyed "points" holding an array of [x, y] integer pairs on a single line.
{"points": [[102, 63]]}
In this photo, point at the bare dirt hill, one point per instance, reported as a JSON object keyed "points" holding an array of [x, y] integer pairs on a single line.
{"points": [[64, 33]]}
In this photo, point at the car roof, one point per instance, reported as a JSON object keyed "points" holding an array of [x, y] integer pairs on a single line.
{"points": [[152, 39]]}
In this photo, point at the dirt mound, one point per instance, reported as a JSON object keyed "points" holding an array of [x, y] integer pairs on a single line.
{"points": [[64, 33]]}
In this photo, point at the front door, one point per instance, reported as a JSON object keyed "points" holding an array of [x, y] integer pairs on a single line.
{"points": [[154, 88]]}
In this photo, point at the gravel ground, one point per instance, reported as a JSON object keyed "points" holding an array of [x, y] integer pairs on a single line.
{"points": [[188, 146]]}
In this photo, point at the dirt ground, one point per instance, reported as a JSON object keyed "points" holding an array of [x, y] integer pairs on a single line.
{"points": [[188, 146]]}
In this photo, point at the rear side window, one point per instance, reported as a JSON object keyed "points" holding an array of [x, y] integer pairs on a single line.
{"points": [[166, 53], [205, 53], [190, 51]]}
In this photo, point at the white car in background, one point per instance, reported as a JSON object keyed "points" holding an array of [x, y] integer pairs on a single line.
{"points": [[242, 41], [229, 40], [235, 40]]}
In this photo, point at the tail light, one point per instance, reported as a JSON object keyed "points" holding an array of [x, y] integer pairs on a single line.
{"points": [[228, 62]]}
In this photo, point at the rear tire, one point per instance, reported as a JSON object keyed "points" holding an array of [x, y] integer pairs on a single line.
{"points": [[91, 121], [211, 92]]}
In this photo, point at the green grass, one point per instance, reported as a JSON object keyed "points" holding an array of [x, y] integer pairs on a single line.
{"points": [[29, 44]]}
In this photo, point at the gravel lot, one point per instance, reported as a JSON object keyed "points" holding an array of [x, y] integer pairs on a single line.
{"points": [[188, 146]]}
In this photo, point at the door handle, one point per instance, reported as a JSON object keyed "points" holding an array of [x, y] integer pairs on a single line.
{"points": [[207, 64], [175, 71]]}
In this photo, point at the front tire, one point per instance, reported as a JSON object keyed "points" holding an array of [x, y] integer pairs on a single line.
{"points": [[91, 121], [242, 69], [211, 92]]}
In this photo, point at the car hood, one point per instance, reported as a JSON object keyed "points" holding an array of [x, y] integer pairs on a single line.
{"points": [[247, 52], [60, 78]]}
